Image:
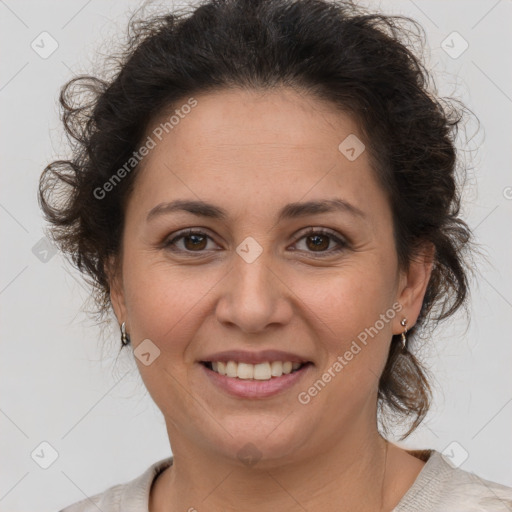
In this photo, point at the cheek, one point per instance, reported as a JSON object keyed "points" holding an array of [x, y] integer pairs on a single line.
{"points": [[344, 316], [164, 306], [350, 299], [351, 317], [164, 301]]}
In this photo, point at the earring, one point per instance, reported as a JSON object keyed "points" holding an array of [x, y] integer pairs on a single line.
{"points": [[125, 339], [403, 323]]}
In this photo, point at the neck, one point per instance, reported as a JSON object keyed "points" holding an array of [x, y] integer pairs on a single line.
{"points": [[348, 476]]}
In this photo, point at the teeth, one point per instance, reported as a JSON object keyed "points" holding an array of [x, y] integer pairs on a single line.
{"points": [[276, 368], [231, 369], [260, 371], [245, 371]]}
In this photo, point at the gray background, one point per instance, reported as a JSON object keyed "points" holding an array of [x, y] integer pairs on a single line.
{"points": [[60, 382]]}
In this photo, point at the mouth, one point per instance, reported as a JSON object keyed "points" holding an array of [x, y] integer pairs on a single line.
{"points": [[255, 381], [247, 374], [264, 371]]}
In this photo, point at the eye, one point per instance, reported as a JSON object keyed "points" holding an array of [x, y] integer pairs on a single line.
{"points": [[195, 241], [317, 239]]}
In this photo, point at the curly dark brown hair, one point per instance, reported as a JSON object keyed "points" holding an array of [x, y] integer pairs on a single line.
{"points": [[364, 63]]}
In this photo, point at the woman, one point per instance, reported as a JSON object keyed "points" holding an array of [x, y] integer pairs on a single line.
{"points": [[265, 194]]}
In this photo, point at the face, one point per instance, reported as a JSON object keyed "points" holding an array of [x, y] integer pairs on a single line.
{"points": [[263, 276]]}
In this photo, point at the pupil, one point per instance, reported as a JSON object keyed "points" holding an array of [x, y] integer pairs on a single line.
{"points": [[195, 238], [316, 243]]}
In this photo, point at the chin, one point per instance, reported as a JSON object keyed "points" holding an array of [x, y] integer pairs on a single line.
{"points": [[257, 446]]}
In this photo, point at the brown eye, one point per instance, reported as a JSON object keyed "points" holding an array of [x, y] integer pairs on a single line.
{"points": [[196, 241], [318, 241], [193, 241]]}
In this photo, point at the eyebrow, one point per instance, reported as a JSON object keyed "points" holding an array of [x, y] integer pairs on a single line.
{"points": [[289, 211]]}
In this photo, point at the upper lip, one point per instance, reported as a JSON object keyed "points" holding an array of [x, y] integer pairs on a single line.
{"points": [[243, 356]]}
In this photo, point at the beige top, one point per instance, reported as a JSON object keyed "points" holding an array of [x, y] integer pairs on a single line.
{"points": [[438, 488]]}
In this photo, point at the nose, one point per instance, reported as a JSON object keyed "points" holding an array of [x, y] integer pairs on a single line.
{"points": [[254, 296]]}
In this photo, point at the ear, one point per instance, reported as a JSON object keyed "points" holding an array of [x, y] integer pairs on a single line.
{"points": [[117, 297], [413, 285]]}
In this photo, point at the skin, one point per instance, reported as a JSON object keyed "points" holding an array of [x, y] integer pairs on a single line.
{"points": [[326, 455]]}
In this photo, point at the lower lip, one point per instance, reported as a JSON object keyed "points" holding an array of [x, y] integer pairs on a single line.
{"points": [[250, 388]]}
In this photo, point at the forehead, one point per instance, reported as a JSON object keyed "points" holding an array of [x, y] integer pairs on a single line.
{"points": [[253, 146], [233, 120]]}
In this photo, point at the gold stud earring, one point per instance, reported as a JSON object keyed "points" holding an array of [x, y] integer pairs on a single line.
{"points": [[403, 323]]}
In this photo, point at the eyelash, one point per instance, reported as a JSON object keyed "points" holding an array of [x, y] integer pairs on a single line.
{"points": [[311, 231]]}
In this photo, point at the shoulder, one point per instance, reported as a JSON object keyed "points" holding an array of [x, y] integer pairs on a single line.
{"points": [[132, 496], [442, 488]]}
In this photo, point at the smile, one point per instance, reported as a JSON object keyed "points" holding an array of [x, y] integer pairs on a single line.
{"points": [[255, 381], [260, 371]]}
